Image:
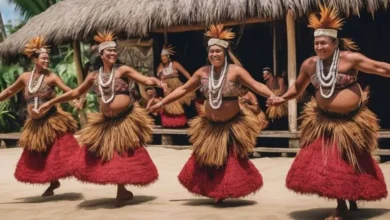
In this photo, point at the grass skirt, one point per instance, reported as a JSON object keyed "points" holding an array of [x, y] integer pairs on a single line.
{"points": [[219, 166], [49, 159], [113, 151], [335, 160]]}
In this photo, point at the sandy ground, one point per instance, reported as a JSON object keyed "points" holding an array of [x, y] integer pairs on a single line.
{"points": [[167, 199]]}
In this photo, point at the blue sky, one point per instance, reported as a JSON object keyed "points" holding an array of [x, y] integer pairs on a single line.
{"points": [[9, 13]]}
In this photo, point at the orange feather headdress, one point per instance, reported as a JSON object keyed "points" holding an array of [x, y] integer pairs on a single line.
{"points": [[328, 24], [219, 36], [105, 40], [36, 46]]}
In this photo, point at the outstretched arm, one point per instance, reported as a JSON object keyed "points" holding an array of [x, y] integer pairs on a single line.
{"points": [[139, 78], [12, 90], [70, 95], [192, 84], [252, 84], [300, 84], [364, 64]]}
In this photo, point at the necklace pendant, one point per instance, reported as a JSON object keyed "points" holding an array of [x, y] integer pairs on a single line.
{"points": [[35, 103]]}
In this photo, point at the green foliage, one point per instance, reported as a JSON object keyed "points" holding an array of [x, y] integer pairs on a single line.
{"points": [[8, 109]]}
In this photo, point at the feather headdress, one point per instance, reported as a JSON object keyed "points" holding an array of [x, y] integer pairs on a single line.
{"points": [[168, 50], [36, 46], [327, 25], [221, 37], [105, 40]]}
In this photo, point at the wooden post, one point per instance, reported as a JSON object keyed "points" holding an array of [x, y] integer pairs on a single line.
{"points": [[274, 48], [292, 75], [80, 77]]}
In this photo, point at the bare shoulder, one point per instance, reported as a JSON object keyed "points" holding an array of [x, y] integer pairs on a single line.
{"points": [[236, 67], [25, 75], [91, 76], [175, 63], [309, 65], [202, 72], [352, 56], [124, 68]]}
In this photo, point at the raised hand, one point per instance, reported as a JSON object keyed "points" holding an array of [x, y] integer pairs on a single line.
{"points": [[43, 108]]}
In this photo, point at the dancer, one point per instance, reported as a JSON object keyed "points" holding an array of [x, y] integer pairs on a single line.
{"points": [[173, 115], [223, 137], [47, 138], [278, 86], [114, 139], [338, 132]]}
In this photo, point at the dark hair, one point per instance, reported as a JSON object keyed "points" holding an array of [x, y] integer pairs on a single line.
{"points": [[267, 69]]}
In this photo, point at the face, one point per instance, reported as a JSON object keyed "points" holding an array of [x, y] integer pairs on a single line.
{"points": [[109, 55], [324, 47], [164, 58], [216, 56], [266, 74], [42, 61], [150, 93]]}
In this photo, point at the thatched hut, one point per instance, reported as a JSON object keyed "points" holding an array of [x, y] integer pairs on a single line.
{"points": [[75, 20]]}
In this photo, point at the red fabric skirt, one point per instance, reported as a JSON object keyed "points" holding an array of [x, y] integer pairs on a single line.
{"points": [[326, 174], [238, 178], [133, 167], [173, 121], [44, 167]]}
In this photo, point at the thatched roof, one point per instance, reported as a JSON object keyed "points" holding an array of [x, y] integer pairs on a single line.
{"points": [[77, 19]]}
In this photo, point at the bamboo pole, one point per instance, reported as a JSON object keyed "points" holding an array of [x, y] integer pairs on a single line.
{"points": [[274, 48], [80, 78], [292, 75]]}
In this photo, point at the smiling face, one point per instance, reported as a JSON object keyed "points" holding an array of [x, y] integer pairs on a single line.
{"points": [[324, 46], [109, 55], [42, 61], [216, 55]]}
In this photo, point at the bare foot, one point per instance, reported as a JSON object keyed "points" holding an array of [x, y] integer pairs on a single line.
{"points": [[339, 212], [122, 197], [50, 190], [218, 201], [353, 206]]}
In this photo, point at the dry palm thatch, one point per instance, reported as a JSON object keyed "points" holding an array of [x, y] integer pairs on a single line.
{"points": [[71, 20]]}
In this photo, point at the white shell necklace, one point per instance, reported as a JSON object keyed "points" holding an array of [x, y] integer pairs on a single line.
{"points": [[111, 80], [167, 70], [328, 81], [34, 89], [215, 88]]}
